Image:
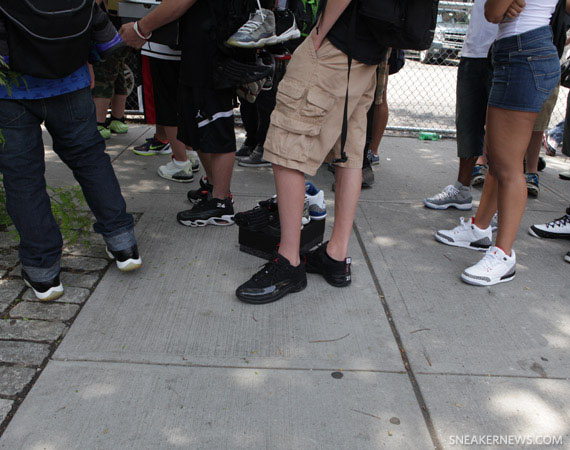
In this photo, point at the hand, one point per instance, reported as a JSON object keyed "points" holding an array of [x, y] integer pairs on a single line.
{"points": [[515, 9], [130, 37], [92, 74], [317, 40]]}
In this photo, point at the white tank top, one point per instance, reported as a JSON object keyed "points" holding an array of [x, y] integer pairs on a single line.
{"points": [[536, 14]]}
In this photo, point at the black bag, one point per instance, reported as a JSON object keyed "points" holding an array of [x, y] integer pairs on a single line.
{"points": [[48, 38], [559, 27], [403, 24], [565, 74]]}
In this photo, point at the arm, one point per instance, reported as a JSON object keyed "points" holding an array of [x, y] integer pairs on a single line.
{"points": [[330, 15], [497, 10], [168, 11]]}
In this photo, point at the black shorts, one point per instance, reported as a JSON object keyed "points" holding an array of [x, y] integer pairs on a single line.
{"points": [[165, 74], [206, 119]]}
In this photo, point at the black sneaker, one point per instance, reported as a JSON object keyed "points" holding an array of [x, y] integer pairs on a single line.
{"points": [[285, 27], [197, 195], [45, 291], [260, 217], [336, 273], [244, 151], [255, 159], [211, 211], [126, 260], [275, 280]]}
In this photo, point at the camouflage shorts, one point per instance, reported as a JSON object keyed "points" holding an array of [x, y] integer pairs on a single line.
{"points": [[110, 76]]}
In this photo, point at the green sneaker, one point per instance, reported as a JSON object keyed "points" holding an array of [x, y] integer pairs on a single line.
{"points": [[118, 126], [105, 132]]}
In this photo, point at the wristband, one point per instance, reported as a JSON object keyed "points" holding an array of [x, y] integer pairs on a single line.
{"points": [[139, 34]]}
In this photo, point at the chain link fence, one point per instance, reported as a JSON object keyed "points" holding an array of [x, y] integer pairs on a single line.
{"points": [[422, 95]]}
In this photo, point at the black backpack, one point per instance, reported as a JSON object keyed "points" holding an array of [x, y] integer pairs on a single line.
{"points": [[559, 25], [47, 38], [403, 24]]}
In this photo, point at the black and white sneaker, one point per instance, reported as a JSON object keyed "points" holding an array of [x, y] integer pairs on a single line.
{"points": [[255, 159], [336, 273], [197, 195], [127, 260], [274, 281], [210, 211], [556, 229], [45, 291], [285, 27], [244, 151]]}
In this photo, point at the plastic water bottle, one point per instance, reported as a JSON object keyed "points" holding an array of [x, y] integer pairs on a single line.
{"points": [[429, 136]]}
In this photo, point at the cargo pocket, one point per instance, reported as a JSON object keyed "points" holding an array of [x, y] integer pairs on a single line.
{"points": [[318, 103], [290, 93]]}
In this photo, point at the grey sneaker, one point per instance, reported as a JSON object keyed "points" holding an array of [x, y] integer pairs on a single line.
{"points": [[255, 159], [367, 176], [258, 31], [451, 196]]}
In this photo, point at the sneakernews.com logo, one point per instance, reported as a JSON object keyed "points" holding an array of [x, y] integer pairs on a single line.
{"points": [[509, 439]]}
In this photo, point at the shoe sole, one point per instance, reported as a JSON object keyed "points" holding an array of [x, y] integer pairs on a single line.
{"points": [[295, 288], [125, 266], [563, 177], [178, 180], [478, 181], [441, 239], [166, 151], [475, 282], [319, 217], [461, 207], [50, 295], [532, 191], [540, 234], [291, 33], [223, 221], [196, 169], [375, 163], [257, 44]]}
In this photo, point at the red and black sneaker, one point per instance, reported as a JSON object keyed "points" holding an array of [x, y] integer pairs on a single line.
{"points": [[336, 273], [197, 195]]}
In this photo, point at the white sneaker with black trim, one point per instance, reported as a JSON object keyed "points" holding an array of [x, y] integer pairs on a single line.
{"points": [[172, 172], [466, 235], [495, 267]]}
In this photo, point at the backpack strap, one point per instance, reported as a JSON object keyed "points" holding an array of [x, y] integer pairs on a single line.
{"points": [[3, 36]]}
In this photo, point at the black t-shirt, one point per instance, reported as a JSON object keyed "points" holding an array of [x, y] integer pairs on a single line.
{"points": [[366, 50], [197, 44]]}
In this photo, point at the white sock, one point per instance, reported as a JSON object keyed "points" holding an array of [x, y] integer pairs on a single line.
{"points": [[180, 164]]}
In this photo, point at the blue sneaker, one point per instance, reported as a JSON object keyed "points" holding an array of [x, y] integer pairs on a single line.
{"points": [[478, 175], [316, 198], [374, 159], [532, 185]]}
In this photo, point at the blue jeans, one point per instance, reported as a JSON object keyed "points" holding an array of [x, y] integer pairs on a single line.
{"points": [[526, 70], [71, 121]]}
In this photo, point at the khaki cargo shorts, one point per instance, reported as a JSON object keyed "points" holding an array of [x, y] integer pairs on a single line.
{"points": [[307, 120], [543, 118]]}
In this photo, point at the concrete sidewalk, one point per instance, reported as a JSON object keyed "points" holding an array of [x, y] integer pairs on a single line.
{"points": [[407, 358]]}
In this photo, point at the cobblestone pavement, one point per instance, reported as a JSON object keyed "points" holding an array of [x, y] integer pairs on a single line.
{"points": [[30, 330]]}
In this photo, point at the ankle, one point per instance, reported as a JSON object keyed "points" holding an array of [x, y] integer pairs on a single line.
{"points": [[336, 253], [291, 256]]}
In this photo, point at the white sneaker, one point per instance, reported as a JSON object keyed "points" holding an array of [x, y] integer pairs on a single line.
{"points": [[466, 235], [316, 198], [193, 158], [172, 172], [555, 229], [495, 267]]}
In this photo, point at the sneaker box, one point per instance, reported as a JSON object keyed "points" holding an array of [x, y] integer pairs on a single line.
{"points": [[264, 244]]}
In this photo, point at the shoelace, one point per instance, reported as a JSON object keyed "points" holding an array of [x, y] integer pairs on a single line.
{"points": [[448, 192], [489, 261], [560, 222], [252, 24], [268, 270], [462, 225]]}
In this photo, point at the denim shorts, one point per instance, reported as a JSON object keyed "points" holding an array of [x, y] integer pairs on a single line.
{"points": [[526, 70]]}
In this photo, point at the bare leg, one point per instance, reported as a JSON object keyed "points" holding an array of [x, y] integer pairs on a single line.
{"points": [[290, 186], [347, 190], [178, 148], [488, 205], [222, 166], [160, 133], [381, 114], [508, 137], [101, 107], [118, 104], [206, 160], [466, 166], [533, 151]]}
